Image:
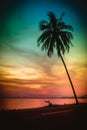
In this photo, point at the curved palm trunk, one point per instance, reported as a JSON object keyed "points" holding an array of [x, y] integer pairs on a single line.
{"points": [[69, 79]]}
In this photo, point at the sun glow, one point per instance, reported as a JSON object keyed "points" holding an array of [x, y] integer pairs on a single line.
{"points": [[21, 73], [35, 86]]}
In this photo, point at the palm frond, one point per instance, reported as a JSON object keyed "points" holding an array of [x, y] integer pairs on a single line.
{"points": [[60, 19], [69, 34], [53, 20], [44, 25], [61, 45], [63, 26], [68, 27], [52, 16], [50, 50], [60, 25], [43, 37], [51, 47], [45, 45], [66, 39]]}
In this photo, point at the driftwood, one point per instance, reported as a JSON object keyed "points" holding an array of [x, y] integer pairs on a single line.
{"points": [[49, 103]]}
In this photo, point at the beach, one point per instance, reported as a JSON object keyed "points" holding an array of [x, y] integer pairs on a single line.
{"points": [[67, 117]]}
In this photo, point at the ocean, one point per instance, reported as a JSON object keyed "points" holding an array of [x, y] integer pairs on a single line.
{"points": [[12, 104]]}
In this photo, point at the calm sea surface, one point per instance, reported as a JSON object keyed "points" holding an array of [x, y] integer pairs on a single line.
{"points": [[10, 104]]}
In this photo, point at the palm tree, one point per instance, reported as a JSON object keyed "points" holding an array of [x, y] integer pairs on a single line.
{"points": [[56, 35]]}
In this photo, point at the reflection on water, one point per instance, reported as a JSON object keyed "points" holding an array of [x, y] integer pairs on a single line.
{"points": [[33, 103]]}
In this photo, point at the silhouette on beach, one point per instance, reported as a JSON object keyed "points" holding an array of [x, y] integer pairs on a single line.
{"points": [[49, 103]]}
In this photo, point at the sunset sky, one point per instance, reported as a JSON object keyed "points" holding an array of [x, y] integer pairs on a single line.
{"points": [[25, 70]]}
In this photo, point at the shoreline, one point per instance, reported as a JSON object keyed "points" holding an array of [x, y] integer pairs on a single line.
{"points": [[46, 118], [43, 107], [12, 104]]}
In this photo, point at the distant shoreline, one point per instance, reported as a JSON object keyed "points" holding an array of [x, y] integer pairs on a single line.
{"points": [[44, 98]]}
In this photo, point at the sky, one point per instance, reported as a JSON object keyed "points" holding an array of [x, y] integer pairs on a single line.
{"points": [[26, 71]]}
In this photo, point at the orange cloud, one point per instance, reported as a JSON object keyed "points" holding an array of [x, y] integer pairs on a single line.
{"points": [[42, 76]]}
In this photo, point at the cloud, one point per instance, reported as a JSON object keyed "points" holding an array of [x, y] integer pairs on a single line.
{"points": [[35, 59], [78, 70]]}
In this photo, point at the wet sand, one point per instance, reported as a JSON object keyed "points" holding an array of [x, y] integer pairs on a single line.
{"points": [[56, 117]]}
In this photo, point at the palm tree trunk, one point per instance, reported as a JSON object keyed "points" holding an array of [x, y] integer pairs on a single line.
{"points": [[69, 79]]}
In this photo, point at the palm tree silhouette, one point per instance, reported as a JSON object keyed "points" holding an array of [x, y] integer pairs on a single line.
{"points": [[56, 34]]}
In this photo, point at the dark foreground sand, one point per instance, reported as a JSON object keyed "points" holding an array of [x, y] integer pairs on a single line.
{"points": [[65, 117]]}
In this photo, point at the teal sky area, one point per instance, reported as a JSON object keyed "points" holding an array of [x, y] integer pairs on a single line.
{"points": [[21, 24], [20, 56]]}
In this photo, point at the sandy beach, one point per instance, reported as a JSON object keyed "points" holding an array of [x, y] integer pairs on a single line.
{"points": [[67, 117]]}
